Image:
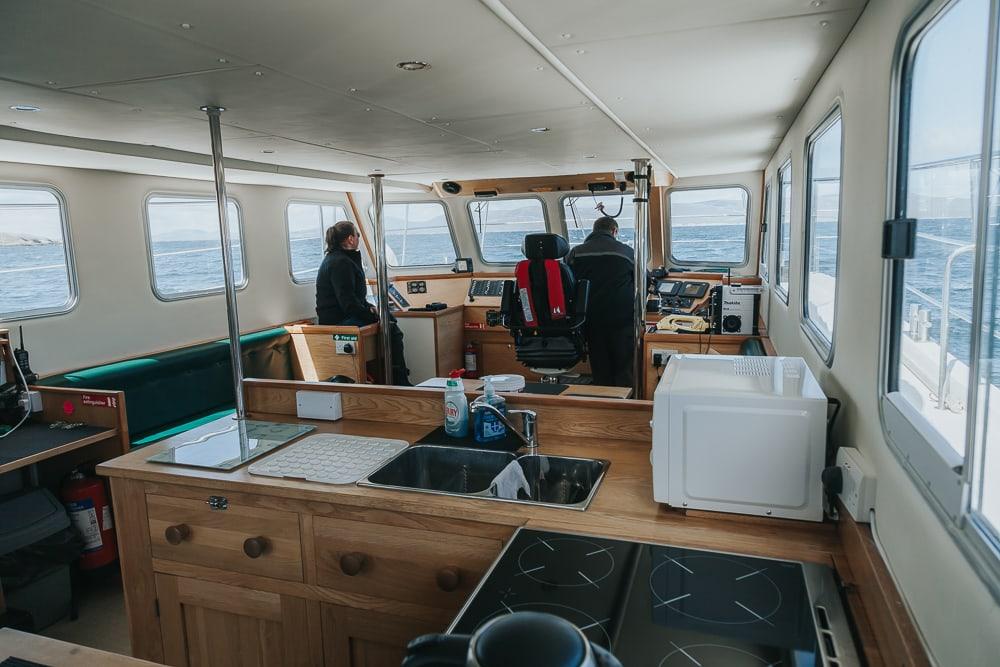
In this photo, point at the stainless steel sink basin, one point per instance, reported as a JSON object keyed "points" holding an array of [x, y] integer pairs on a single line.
{"points": [[555, 481]]}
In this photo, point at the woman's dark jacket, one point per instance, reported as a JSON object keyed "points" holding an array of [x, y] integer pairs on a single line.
{"points": [[341, 289]]}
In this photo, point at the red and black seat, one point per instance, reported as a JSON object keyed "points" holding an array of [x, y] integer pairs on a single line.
{"points": [[545, 307]]}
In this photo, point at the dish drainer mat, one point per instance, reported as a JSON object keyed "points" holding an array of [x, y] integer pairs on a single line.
{"points": [[329, 458]]}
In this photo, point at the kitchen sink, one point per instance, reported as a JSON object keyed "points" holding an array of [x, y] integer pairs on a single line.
{"points": [[555, 481]]}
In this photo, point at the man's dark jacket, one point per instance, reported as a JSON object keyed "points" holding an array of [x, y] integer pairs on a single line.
{"points": [[609, 265], [341, 289]]}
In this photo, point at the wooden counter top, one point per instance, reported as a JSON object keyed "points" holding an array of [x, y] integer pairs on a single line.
{"points": [[623, 506], [429, 313], [55, 653]]}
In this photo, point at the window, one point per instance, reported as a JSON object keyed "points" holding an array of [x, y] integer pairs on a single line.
{"points": [[765, 234], [822, 234], [307, 225], [580, 211], [417, 234], [784, 232], [501, 225], [942, 385], [185, 248], [36, 269], [709, 226]]}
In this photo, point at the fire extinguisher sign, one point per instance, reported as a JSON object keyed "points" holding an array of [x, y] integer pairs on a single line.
{"points": [[83, 516], [99, 401]]}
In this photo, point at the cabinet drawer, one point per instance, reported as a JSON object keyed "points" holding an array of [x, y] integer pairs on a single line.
{"points": [[407, 564], [240, 538]]}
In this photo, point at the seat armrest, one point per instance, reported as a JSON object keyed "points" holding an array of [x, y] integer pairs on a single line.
{"points": [[581, 300]]}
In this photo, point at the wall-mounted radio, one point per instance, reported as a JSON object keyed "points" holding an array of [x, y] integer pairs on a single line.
{"points": [[735, 309]]}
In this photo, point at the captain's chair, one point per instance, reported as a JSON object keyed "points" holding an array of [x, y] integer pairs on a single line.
{"points": [[545, 308]]}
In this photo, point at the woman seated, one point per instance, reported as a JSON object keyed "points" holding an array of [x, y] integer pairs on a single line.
{"points": [[341, 293]]}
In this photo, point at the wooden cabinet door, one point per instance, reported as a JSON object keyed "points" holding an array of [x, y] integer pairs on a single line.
{"points": [[362, 638], [212, 624]]}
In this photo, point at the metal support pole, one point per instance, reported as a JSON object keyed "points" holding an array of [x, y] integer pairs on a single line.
{"points": [[641, 199], [215, 129], [382, 278]]}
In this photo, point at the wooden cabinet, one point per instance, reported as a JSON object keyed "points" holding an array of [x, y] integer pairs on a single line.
{"points": [[400, 563], [214, 624], [362, 638], [243, 537]]}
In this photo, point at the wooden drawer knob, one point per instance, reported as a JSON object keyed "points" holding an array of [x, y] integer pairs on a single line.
{"points": [[177, 534], [449, 579], [255, 547], [352, 563]]}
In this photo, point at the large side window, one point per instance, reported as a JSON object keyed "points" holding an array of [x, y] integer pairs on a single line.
{"points": [[185, 246], [36, 269], [783, 235], [417, 234], [765, 234], [580, 212], [500, 226], [709, 226], [307, 225], [944, 331], [822, 233]]}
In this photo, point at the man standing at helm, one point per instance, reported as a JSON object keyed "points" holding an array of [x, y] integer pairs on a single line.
{"points": [[609, 265]]}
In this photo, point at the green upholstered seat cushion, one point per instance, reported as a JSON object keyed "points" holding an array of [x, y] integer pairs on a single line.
{"points": [[180, 427], [179, 385], [752, 347]]}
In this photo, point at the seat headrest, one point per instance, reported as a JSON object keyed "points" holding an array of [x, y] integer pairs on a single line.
{"points": [[544, 246]]}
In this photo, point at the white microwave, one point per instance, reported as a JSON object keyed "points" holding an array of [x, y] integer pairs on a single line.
{"points": [[739, 434]]}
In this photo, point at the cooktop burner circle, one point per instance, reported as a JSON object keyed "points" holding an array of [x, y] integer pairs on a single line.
{"points": [[592, 628], [715, 589], [568, 562], [712, 655]]}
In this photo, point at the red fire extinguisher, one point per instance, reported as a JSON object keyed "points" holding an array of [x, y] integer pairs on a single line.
{"points": [[89, 512], [471, 360]]}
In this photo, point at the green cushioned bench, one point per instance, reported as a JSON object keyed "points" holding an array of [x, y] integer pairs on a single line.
{"points": [[174, 391]]}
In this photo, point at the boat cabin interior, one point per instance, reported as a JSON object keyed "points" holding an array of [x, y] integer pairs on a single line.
{"points": [[500, 332]]}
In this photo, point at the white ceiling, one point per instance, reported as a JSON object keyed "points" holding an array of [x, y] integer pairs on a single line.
{"points": [[701, 82]]}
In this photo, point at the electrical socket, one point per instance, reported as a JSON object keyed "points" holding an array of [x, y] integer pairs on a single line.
{"points": [[858, 492], [31, 401], [660, 357]]}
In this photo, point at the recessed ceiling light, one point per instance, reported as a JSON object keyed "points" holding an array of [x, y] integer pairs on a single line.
{"points": [[368, 108], [258, 73], [619, 98], [136, 110], [580, 52], [780, 117], [50, 83], [267, 150], [824, 24], [352, 90], [539, 68], [24, 107], [95, 92], [434, 117], [186, 26], [818, 3], [413, 65], [223, 60], [648, 129], [539, 129], [566, 35]]}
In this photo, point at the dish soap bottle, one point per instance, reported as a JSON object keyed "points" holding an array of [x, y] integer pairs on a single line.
{"points": [[486, 427], [456, 406]]}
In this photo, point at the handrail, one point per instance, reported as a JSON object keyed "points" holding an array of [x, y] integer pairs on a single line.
{"points": [[944, 370]]}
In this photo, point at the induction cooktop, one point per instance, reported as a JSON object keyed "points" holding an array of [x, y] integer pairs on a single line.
{"points": [[666, 606]]}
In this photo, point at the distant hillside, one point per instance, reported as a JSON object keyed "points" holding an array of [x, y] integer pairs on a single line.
{"points": [[20, 238]]}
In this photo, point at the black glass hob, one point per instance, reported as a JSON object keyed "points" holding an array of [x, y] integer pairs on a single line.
{"points": [[667, 606]]}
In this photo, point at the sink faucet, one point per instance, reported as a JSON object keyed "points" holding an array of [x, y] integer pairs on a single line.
{"points": [[528, 435]]}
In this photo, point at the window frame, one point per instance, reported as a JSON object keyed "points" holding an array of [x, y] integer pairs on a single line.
{"points": [[825, 348], [629, 193], [746, 226], [288, 235], [942, 477], [763, 270], [74, 287], [196, 294], [472, 225], [783, 294], [448, 224]]}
